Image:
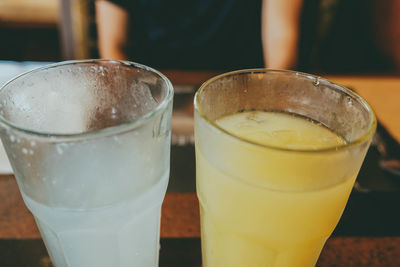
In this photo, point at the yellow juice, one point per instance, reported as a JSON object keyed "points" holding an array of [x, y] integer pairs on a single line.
{"points": [[272, 190]]}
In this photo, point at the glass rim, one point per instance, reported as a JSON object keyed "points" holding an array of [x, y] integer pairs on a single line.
{"points": [[314, 78], [106, 131]]}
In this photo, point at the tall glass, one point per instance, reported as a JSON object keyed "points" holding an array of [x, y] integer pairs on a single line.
{"points": [[267, 205], [89, 143]]}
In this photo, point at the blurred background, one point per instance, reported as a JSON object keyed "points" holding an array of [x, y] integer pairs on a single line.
{"points": [[345, 36], [355, 41]]}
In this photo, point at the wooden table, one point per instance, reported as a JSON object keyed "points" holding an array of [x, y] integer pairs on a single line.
{"points": [[29, 13], [180, 229]]}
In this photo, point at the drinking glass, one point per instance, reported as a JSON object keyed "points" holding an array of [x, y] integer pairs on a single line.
{"points": [[89, 144], [266, 204]]}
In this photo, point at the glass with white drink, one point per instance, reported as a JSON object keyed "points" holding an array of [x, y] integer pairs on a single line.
{"points": [[89, 143]]}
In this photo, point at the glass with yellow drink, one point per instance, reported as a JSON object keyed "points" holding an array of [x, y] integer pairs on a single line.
{"points": [[277, 154]]}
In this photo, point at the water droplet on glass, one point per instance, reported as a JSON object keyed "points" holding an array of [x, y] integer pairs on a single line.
{"points": [[59, 150], [114, 113], [24, 150], [316, 81], [101, 70], [116, 139], [33, 143], [349, 102], [12, 138]]}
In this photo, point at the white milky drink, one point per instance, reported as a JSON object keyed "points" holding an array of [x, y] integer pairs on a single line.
{"points": [[108, 213], [123, 234], [89, 144]]}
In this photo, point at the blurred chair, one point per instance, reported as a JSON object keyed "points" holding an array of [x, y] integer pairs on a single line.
{"points": [[78, 29]]}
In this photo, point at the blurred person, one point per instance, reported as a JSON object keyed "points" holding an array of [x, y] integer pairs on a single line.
{"points": [[181, 34], [228, 34], [308, 35], [280, 33], [340, 36], [332, 36]]}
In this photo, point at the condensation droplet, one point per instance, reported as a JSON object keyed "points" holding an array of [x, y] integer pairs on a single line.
{"points": [[59, 150], [316, 81], [349, 101], [24, 150], [114, 112], [33, 143], [12, 138], [101, 70]]}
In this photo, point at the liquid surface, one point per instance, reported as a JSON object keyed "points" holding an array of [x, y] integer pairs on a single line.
{"points": [[267, 207], [280, 130]]}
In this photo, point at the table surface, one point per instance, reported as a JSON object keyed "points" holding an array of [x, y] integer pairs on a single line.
{"points": [[180, 229]]}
